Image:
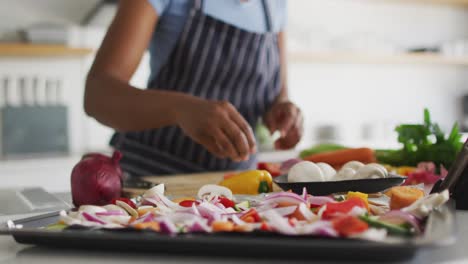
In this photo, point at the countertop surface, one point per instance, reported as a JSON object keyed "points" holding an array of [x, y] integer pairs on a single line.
{"points": [[12, 252]]}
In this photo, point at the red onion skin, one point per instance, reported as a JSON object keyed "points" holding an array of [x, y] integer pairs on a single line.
{"points": [[96, 179]]}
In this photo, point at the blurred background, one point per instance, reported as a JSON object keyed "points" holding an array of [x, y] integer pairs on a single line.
{"points": [[357, 68]]}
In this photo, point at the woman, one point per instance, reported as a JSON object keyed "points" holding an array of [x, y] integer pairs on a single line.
{"points": [[217, 66]]}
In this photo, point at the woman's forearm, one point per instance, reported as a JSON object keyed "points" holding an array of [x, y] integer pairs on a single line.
{"points": [[115, 103], [283, 95]]}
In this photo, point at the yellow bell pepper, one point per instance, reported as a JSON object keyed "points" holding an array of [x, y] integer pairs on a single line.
{"points": [[249, 182], [362, 196]]}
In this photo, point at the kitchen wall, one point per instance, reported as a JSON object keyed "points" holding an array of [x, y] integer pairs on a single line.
{"points": [[356, 99], [370, 99]]}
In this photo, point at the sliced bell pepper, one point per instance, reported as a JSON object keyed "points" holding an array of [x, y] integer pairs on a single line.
{"points": [[335, 209], [363, 196], [249, 182], [349, 225], [226, 202], [251, 216], [188, 203]]}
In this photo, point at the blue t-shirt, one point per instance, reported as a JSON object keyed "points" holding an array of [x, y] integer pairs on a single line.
{"points": [[247, 15]]}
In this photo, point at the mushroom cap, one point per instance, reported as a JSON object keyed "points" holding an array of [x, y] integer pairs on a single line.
{"points": [[345, 174], [305, 171], [328, 171], [372, 171], [355, 165]]}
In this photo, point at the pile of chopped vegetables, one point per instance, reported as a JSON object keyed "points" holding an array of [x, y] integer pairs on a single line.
{"points": [[354, 215]]}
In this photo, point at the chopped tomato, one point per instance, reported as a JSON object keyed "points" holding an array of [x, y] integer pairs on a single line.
{"points": [[226, 202], [334, 209], [251, 216], [272, 168], [125, 200], [349, 225], [188, 203], [265, 226]]}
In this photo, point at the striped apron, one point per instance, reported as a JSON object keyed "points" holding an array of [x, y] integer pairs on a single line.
{"points": [[216, 61]]}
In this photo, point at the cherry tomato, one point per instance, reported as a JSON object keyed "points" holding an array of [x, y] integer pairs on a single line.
{"points": [[188, 203]]}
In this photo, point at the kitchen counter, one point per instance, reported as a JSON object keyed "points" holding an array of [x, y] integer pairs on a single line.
{"points": [[11, 252]]}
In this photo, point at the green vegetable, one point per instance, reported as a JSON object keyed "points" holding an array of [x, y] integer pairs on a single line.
{"points": [[242, 206], [325, 147], [399, 230], [423, 142]]}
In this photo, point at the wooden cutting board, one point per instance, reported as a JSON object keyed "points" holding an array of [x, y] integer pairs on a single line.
{"points": [[184, 184]]}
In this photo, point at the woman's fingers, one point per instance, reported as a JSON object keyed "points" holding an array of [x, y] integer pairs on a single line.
{"points": [[238, 140], [224, 144], [293, 135], [245, 129]]}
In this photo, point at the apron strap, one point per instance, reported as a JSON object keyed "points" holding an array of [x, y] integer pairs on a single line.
{"points": [[267, 14], [198, 5]]}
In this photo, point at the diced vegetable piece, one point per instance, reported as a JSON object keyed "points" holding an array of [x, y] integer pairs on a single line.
{"points": [[242, 206], [228, 203], [340, 208], [188, 203], [251, 216], [222, 226], [340, 157], [399, 230], [349, 225], [363, 196], [403, 196], [148, 225]]}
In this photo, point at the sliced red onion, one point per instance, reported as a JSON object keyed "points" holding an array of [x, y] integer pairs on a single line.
{"points": [[319, 200], [321, 228], [199, 226], [148, 217], [398, 217], [305, 211], [304, 193], [237, 220], [283, 211], [111, 213], [92, 218], [279, 223], [167, 227], [284, 197]]}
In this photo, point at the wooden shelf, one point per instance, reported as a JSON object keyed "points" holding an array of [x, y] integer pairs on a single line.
{"points": [[361, 58], [40, 50]]}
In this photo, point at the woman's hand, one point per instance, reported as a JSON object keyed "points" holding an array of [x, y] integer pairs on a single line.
{"points": [[218, 126], [285, 117]]}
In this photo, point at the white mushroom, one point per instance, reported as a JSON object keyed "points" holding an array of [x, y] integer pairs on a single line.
{"points": [[371, 171], [305, 171], [212, 190], [328, 171], [355, 165], [345, 174]]}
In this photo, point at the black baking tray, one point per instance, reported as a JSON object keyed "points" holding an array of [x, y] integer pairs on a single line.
{"points": [[330, 187], [439, 231]]}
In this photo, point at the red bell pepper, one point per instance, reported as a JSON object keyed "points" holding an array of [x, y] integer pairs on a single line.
{"points": [[226, 202], [340, 208], [251, 216], [188, 203], [272, 168], [347, 225]]}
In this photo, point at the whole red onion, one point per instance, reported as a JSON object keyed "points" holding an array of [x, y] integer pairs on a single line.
{"points": [[96, 179]]}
